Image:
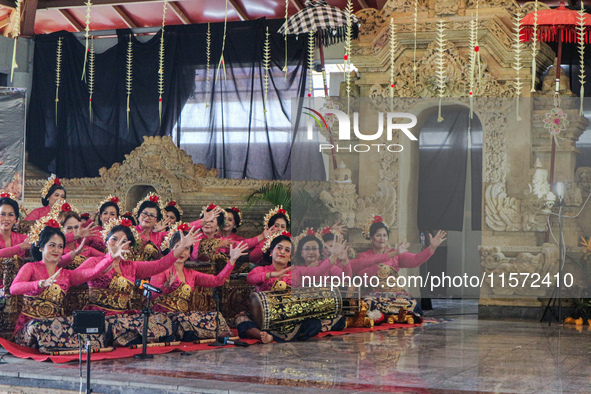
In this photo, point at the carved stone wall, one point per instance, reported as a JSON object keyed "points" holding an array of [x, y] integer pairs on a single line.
{"points": [[514, 217], [159, 165]]}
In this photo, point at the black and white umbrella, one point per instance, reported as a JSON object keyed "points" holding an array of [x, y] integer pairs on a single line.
{"points": [[319, 16]]}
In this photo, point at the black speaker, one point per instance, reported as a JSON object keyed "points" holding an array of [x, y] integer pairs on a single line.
{"points": [[89, 322]]}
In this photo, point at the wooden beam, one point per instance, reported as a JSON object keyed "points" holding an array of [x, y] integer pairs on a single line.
{"points": [[57, 4], [239, 10], [4, 21], [126, 18], [28, 19], [70, 18], [297, 4], [362, 4], [178, 12]]}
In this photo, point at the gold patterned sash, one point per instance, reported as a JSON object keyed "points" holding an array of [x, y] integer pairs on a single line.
{"points": [[177, 301], [47, 304], [77, 262], [116, 297]]}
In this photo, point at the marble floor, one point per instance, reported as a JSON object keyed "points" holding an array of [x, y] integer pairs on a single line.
{"points": [[460, 354]]}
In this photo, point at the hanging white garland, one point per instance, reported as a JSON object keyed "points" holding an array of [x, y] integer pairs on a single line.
{"points": [[58, 73], [15, 33], [267, 67], [347, 56], [221, 63], [90, 78], [129, 76], [207, 67], [534, 51], [581, 37], [517, 47], [392, 49], [310, 62], [86, 37], [161, 64]]}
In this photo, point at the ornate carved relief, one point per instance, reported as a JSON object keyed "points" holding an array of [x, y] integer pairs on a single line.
{"points": [[384, 203], [495, 147], [583, 178], [494, 261]]}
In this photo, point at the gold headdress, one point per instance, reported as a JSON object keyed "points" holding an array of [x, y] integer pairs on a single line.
{"points": [[149, 197], [374, 219], [62, 206], [308, 231], [270, 239], [107, 227], [52, 180], [7, 195], [278, 209], [49, 220], [174, 204], [178, 226], [238, 212], [111, 198]]}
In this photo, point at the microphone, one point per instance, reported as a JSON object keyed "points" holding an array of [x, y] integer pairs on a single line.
{"points": [[145, 285], [228, 341]]}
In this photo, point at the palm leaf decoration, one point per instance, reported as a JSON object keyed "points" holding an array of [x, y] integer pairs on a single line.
{"points": [[274, 193]]}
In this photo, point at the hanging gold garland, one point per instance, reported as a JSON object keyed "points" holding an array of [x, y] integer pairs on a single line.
{"points": [[86, 36], [414, 51], [534, 51], [129, 76], [392, 47], [310, 62], [208, 53], [90, 78], [581, 34], [347, 57], [517, 66], [58, 73], [161, 64], [285, 37], [221, 62], [440, 64], [15, 33], [267, 67]]}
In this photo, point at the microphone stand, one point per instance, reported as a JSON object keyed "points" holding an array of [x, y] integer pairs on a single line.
{"points": [[216, 298], [146, 312]]}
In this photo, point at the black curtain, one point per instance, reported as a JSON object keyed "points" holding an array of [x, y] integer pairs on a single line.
{"points": [[73, 145], [443, 154], [233, 133]]}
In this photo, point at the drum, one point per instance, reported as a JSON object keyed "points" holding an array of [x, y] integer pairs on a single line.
{"points": [[281, 309]]}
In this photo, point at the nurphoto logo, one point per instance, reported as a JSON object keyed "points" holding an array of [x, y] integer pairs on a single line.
{"points": [[344, 130]]}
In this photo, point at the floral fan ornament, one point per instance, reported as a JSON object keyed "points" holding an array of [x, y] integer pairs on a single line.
{"points": [[277, 210], [307, 232], [52, 180], [374, 219], [49, 220], [211, 207], [178, 226], [125, 223], [150, 197], [270, 239], [555, 121]]}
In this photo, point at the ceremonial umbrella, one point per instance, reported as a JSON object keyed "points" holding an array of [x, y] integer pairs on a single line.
{"points": [[330, 25], [328, 22], [559, 24]]}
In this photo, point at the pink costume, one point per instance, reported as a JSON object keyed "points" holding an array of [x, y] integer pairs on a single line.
{"points": [[156, 238], [250, 242], [27, 280], [15, 239], [192, 278], [256, 256], [367, 262], [38, 213], [256, 277], [6, 252], [99, 295]]}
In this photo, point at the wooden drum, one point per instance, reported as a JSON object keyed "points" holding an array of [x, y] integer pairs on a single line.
{"points": [[282, 309]]}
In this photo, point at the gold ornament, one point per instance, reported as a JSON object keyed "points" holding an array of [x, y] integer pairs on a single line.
{"points": [[208, 53], [307, 231], [273, 212], [47, 220], [150, 197], [129, 76], [107, 227], [90, 78], [372, 220], [50, 182], [110, 198], [266, 66], [58, 73], [270, 239], [581, 37]]}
